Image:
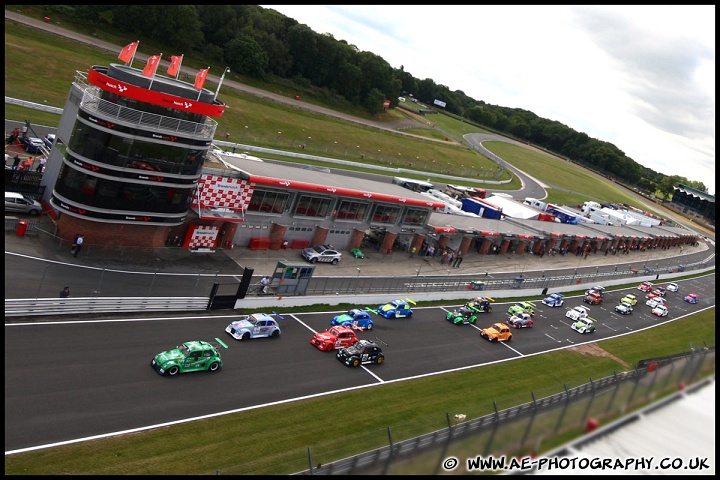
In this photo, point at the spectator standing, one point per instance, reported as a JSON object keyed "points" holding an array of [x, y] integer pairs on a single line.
{"points": [[16, 161], [41, 164], [65, 292], [7, 158], [264, 282], [77, 244], [458, 259]]}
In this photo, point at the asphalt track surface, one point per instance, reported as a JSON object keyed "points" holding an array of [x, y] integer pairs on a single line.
{"points": [[68, 381]]}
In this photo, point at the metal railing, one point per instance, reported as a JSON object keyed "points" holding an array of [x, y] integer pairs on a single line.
{"points": [[522, 429], [93, 103], [90, 305]]}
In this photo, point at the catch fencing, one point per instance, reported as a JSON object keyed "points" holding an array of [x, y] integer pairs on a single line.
{"points": [[525, 429]]}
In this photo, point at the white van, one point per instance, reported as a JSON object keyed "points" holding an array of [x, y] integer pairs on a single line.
{"points": [[16, 202]]}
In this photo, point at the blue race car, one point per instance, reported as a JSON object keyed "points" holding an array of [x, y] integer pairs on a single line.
{"points": [[354, 318], [554, 300], [395, 309]]}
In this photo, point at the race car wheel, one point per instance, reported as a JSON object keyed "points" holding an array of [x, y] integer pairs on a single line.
{"points": [[369, 326], [245, 336], [380, 359], [409, 314], [509, 338], [355, 362], [275, 334], [335, 261], [489, 309], [396, 315], [214, 366], [172, 371]]}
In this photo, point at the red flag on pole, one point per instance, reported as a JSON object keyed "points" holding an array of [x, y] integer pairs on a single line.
{"points": [[200, 78], [127, 53], [174, 65], [152, 64]]}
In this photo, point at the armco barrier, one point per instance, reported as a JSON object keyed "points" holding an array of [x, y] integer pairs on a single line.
{"points": [[84, 305]]}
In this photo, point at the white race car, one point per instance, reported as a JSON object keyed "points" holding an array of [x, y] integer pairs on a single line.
{"points": [[257, 325], [578, 313]]}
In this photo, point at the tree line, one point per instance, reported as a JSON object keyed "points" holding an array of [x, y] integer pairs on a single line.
{"points": [[267, 45]]}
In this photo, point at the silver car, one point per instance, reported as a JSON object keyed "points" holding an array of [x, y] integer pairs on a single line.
{"points": [[16, 202], [322, 253]]}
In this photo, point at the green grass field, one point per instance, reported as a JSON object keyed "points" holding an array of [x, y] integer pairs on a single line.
{"points": [[274, 440]]}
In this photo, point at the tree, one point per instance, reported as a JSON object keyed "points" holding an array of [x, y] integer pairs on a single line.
{"points": [[244, 55], [668, 184]]}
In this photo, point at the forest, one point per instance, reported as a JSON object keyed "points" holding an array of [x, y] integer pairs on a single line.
{"points": [[266, 45]]}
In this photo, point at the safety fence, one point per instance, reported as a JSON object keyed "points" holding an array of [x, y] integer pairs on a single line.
{"points": [[108, 305], [525, 429]]}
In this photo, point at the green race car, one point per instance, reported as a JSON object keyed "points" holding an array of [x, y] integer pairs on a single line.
{"points": [[522, 307], [189, 357]]}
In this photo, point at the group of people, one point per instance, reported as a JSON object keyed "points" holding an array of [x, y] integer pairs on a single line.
{"points": [[447, 255], [25, 165]]}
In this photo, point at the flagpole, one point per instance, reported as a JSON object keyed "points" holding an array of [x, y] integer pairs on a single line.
{"points": [[227, 69], [133, 57], [177, 75], [155, 70]]}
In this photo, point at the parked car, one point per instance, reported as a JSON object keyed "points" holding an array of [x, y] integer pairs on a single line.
{"points": [[395, 309], [630, 299], [584, 325], [554, 300], [577, 313], [33, 144], [593, 298], [660, 311], [49, 140], [354, 318], [624, 308], [334, 338], [520, 307], [357, 253], [646, 287], [692, 298], [322, 254], [16, 202], [257, 325], [672, 287], [497, 332], [361, 353], [520, 320], [189, 357]]}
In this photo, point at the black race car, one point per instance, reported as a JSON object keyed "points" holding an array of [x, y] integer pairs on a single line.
{"points": [[462, 315], [363, 352]]}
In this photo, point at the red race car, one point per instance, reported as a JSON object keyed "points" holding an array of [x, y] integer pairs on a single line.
{"points": [[334, 338]]}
